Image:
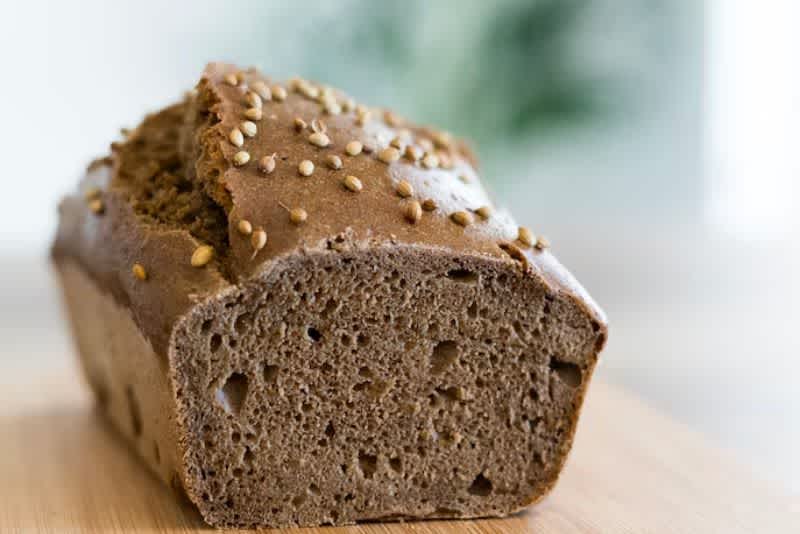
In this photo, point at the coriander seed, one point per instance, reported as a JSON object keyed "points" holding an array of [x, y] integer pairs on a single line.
{"points": [[461, 218], [306, 168], [353, 148], [267, 164], [412, 212], [389, 154], [352, 183], [202, 255], [236, 138], [404, 189], [138, 271]]}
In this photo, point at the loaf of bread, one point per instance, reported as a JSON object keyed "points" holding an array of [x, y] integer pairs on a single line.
{"points": [[300, 310]]}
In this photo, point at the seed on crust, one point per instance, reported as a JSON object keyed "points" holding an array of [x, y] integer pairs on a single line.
{"points": [[413, 152], [253, 100], [236, 138], [231, 79], [430, 161], [202, 255], [389, 155], [429, 204], [445, 161], [298, 215], [92, 193], [319, 139], [484, 212], [278, 93], [404, 189], [426, 144], [319, 126], [305, 168], [442, 139], [299, 124], [96, 206], [461, 218], [267, 164], [464, 178], [333, 161], [249, 128], [262, 90], [542, 243], [241, 158], [254, 114], [391, 118], [139, 272], [353, 148], [514, 251], [525, 236], [362, 115], [258, 239], [244, 227], [352, 183], [331, 107], [397, 142], [412, 211]]}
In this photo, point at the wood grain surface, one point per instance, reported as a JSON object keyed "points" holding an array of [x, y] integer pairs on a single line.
{"points": [[632, 470]]}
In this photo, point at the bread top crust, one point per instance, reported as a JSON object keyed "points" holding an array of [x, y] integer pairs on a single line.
{"points": [[312, 123]]}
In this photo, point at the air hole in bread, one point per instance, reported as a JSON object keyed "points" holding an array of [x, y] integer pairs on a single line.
{"points": [[313, 334], [330, 431], [216, 341], [569, 373], [396, 465], [472, 311], [206, 326], [518, 329], [462, 275], [232, 395], [242, 323], [481, 486], [156, 453], [271, 373], [330, 307], [368, 464], [443, 356], [298, 500], [134, 412], [453, 393]]}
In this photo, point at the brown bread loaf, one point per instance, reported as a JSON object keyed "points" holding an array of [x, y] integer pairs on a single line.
{"points": [[303, 311]]}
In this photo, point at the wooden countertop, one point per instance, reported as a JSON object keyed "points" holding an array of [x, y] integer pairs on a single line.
{"points": [[632, 470]]}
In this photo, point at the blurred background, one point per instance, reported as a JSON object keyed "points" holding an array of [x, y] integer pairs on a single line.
{"points": [[654, 143]]}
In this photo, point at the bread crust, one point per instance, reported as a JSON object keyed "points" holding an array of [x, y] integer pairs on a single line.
{"points": [[103, 244]]}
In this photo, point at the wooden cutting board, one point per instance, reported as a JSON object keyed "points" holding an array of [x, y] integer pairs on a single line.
{"points": [[632, 470]]}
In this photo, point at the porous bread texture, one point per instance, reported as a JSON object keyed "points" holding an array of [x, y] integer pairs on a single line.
{"points": [[349, 386], [382, 384], [360, 365]]}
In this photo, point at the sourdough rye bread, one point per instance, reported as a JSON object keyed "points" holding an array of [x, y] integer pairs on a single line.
{"points": [[301, 311]]}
